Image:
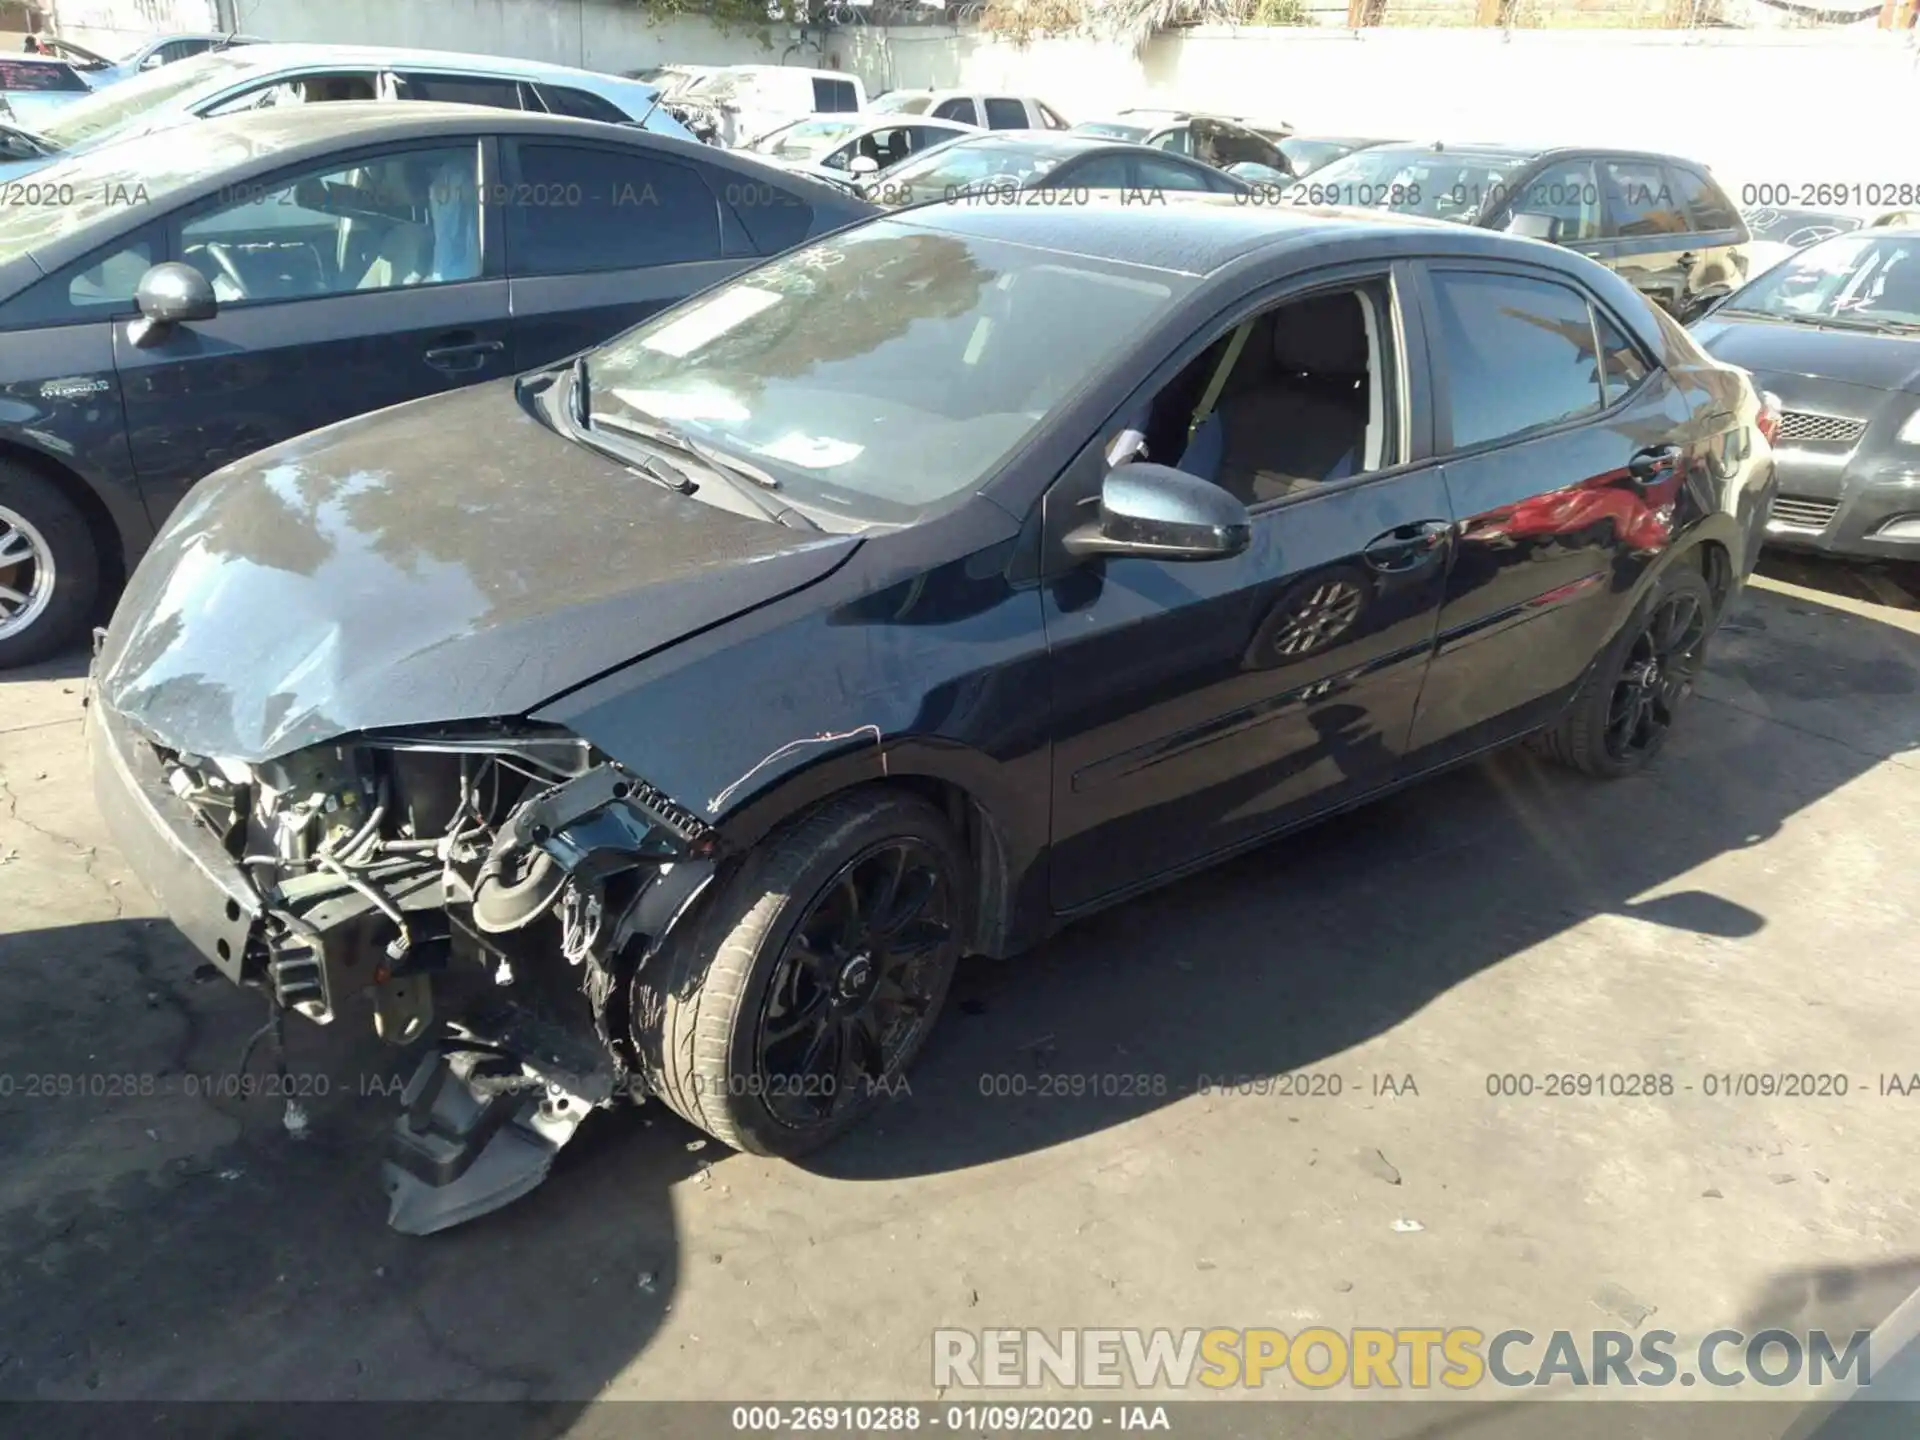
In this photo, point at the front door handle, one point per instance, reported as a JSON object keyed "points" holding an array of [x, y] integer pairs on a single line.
{"points": [[464, 356], [1653, 462], [1406, 547]]}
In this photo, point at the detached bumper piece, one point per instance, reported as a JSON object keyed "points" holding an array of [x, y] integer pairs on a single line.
{"points": [[480, 1123]]}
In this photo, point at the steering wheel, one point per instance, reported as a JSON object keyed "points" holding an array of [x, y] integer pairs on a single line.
{"points": [[231, 272]]}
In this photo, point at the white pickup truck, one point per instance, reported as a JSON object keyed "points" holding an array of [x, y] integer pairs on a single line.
{"points": [[737, 104]]}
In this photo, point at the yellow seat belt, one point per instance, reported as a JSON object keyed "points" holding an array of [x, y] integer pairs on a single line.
{"points": [[1219, 380]]}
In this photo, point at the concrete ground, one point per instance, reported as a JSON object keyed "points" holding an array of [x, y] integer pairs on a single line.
{"points": [[1749, 905]]}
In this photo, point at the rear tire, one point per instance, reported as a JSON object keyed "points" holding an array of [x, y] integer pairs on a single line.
{"points": [[813, 978], [1636, 690], [49, 570]]}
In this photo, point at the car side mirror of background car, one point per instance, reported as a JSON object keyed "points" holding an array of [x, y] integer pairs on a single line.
{"points": [[1532, 227], [172, 293], [1158, 513], [863, 165]]}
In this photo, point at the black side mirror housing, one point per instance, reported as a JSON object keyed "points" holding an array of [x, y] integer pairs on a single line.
{"points": [[1158, 513], [172, 293]]}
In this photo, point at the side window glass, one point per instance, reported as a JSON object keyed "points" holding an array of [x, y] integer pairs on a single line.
{"points": [[1567, 197], [1005, 114], [307, 90], [385, 223], [1097, 172], [1153, 173], [578, 209], [1174, 142], [461, 90], [1640, 199], [834, 97], [960, 109], [94, 288], [1710, 209], [562, 100], [1516, 353], [1623, 367]]}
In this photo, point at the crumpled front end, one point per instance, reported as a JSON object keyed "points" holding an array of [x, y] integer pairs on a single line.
{"points": [[493, 887]]}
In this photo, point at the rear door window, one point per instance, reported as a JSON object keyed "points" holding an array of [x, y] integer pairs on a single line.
{"points": [[564, 100], [1517, 354], [1711, 210], [462, 90], [959, 108], [1640, 199], [1005, 114], [834, 97], [1150, 172], [576, 209], [1624, 367]]}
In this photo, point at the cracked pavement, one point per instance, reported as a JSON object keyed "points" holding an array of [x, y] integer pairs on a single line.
{"points": [[1749, 905]]}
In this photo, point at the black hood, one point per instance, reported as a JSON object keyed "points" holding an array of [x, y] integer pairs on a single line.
{"points": [[1874, 362], [448, 559]]}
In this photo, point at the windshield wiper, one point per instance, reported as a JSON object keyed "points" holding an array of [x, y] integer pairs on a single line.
{"points": [[584, 427], [32, 138], [678, 440]]}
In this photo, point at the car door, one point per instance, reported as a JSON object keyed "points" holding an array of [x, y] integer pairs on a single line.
{"points": [[600, 236], [1647, 238], [1543, 409], [1201, 706], [1721, 262], [344, 286]]}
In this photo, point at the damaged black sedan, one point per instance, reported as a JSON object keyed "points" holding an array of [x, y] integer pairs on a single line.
{"points": [[668, 723]]}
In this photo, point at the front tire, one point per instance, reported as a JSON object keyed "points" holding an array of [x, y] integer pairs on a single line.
{"points": [[1634, 693], [813, 979], [49, 572]]}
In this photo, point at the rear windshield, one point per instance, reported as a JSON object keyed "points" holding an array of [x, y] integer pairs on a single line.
{"points": [[806, 140], [132, 100], [1440, 184], [1112, 130], [39, 76], [901, 103]]}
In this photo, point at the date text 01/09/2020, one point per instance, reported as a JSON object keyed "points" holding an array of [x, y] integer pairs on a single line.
{"points": [[889, 1419]]}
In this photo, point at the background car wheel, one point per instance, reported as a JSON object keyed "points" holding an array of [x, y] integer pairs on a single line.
{"points": [[1631, 698], [813, 979], [49, 574]]}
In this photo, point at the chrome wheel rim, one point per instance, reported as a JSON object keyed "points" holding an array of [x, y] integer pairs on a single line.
{"points": [[26, 573]]}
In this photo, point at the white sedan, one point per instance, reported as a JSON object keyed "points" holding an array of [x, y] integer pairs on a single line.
{"points": [[841, 148]]}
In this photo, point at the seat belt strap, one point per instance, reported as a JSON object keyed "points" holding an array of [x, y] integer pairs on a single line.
{"points": [[1219, 380]]}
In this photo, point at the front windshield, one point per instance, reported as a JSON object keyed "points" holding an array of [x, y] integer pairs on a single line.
{"points": [[804, 140], [1113, 130], [974, 164], [1305, 155], [901, 102], [1797, 227], [883, 371], [1442, 185], [127, 102], [1850, 280], [136, 173]]}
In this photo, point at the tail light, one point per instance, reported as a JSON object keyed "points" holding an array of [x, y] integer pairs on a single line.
{"points": [[1768, 420]]}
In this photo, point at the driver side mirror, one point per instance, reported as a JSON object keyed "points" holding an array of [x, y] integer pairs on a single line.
{"points": [[1532, 227], [153, 61], [172, 293], [1159, 513], [863, 165]]}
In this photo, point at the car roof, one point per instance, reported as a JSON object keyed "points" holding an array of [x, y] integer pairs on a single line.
{"points": [[278, 55], [1202, 234], [273, 138]]}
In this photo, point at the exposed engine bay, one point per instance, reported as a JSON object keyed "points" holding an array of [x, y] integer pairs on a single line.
{"points": [[492, 889]]}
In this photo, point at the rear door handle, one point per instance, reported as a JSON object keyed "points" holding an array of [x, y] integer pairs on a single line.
{"points": [[465, 355], [1653, 462], [1407, 546]]}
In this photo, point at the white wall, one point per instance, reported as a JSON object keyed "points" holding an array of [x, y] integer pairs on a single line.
{"points": [[1798, 108], [114, 27], [594, 34]]}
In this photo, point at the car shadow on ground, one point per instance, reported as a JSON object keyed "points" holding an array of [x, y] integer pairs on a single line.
{"points": [[1281, 960], [164, 1237]]}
